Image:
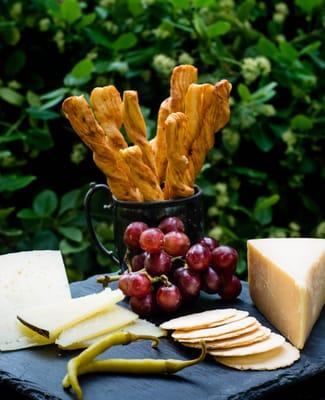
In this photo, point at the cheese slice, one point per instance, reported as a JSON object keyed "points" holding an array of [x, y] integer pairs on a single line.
{"points": [[100, 324], [51, 320], [139, 327], [287, 283], [27, 279]]}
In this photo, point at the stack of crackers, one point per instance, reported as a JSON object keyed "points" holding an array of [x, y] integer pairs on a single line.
{"points": [[234, 339]]}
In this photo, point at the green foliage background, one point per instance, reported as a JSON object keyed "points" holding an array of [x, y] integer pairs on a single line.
{"points": [[265, 176]]}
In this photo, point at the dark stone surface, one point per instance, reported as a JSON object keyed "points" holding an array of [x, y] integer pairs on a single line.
{"points": [[36, 373]]}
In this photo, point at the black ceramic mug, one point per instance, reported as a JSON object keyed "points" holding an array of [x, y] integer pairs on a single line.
{"points": [[189, 210]]}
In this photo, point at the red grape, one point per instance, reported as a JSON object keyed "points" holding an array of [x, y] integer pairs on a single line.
{"points": [[231, 289], [209, 242], [124, 284], [132, 234], [137, 262], [144, 306], [224, 258], [139, 285], [152, 240], [211, 281], [169, 298], [158, 263], [188, 282], [176, 243], [198, 258], [171, 224]]}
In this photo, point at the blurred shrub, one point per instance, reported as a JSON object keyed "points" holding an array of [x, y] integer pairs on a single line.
{"points": [[265, 174]]}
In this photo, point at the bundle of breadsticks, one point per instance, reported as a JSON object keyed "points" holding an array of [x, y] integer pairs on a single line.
{"points": [[165, 167]]}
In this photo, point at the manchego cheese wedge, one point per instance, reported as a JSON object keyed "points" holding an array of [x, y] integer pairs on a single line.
{"points": [[103, 323], [27, 279], [51, 320], [287, 283]]}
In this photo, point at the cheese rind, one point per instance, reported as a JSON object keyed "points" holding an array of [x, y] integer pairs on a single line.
{"points": [[287, 283], [100, 324], [51, 320], [28, 278]]}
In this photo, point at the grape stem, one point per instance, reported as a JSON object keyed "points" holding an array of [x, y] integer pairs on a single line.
{"points": [[105, 280]]}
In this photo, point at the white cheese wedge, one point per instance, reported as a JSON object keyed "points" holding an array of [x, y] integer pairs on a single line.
{"points": [[27, 279], [100, 324], [287, 283], [139, 327], [51, 320]]}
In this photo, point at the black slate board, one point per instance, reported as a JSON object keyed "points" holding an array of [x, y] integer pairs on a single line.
{"points": [[36, 373]]}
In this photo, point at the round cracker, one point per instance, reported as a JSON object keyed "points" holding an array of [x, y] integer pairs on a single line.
{"points": [[242, 340], [270, 343], [199, 320], [215, 331], [237, 317], [281, 357], [228, 335]]}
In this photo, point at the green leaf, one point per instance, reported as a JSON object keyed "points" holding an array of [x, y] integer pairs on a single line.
{"points": [[262, 139], [302, 123], [125, 41], [218, 28], [243, 92], [11, 96], [33, 99], [199, 26], [267, 48], [27, 213], [45, 203], [203, 3], [245, 9], [251, 173], [135, 7], [67, 248], [288, 52], [11, 232], [69, 201], [266, 202], [5, 212], [83, 68], [70, 11], [308, 6], [71, 233], [12, 138], [14, 62], [54, 94], [39, 139], [45, 240], [310, 48], [98, 37], [264, 216], [11, 183], [44, 115], [86, 20]]}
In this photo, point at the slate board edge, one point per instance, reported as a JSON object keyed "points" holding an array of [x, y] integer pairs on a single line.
{"points": [[25, 388]]}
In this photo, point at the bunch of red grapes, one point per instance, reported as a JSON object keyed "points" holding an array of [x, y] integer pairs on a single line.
{"points": [[166, 271]]}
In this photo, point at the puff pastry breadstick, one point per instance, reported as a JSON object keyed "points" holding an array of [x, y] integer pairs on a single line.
{"points": [[136, 128], [175, 186], [141, 174], [181, 79], [107, 107], [83, 121], [158, 144], [215, 113]]}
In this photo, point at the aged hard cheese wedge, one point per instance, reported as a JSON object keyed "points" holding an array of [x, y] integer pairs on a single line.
{"points": [[287, 283], [51, 320], [105, 322], [27, 279]]}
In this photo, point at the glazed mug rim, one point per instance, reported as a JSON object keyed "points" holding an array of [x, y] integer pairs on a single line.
{"points": [[155, 203]]}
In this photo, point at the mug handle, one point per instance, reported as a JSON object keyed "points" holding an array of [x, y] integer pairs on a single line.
{"points": [[87, 202]]}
